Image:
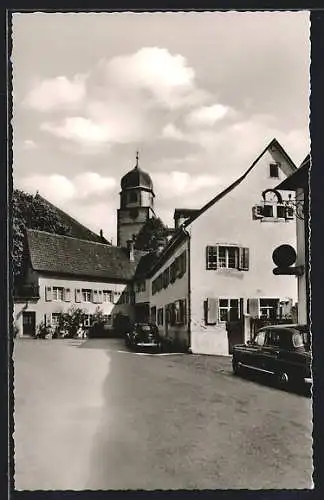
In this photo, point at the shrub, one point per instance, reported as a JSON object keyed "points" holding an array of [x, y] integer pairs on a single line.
{"points": [[43, 330]]}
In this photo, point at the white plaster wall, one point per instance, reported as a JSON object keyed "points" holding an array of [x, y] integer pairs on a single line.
{"points": [[43, 307], [230, 221], [175, 291]]}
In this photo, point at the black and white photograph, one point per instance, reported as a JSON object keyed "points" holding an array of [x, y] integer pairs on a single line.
{"points": [[160, 225]]}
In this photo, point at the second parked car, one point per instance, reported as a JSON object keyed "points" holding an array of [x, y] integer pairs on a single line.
{"points": [[143, 335], [283, 351]]}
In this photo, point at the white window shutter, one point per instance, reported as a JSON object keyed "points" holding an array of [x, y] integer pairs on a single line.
{"points": [[77, 295], [67, 294], [253, 308], [257, 212], [212, 311], [244, 257], [48, 293]]}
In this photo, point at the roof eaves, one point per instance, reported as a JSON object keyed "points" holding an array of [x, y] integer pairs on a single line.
{"points": [[180, 233], [230, 188], [276, 143]]}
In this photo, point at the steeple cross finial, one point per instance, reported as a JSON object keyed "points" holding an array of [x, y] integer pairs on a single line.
{"points": [[137, 156]]}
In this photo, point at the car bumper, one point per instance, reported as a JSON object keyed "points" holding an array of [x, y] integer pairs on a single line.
{"points": [[147, 344]]}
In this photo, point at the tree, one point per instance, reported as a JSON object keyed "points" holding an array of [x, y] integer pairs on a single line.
{"points": [[152, 235], [31, 212]]}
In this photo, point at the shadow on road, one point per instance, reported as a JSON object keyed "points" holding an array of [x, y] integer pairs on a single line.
{"points": [[269, 381]]}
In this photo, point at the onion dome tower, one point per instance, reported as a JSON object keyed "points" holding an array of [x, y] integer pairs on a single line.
{"points": [[136, 203]]}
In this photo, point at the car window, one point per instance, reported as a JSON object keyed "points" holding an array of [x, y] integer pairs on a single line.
{"points": [[279, 338], [259, 338], [297, 340], [273, 338]]}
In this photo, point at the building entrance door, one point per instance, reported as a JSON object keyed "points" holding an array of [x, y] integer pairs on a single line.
{"points": [[29, 323]]}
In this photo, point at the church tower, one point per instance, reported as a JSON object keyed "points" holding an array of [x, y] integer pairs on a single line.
{"points": [[136, 204]]}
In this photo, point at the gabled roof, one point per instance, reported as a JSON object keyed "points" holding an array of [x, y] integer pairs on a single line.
{"points": [[77, 230], [63, 255], [274, 144], [181, 231]]}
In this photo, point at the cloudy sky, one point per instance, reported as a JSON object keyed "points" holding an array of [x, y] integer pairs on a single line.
{"points": [[199, 94]]}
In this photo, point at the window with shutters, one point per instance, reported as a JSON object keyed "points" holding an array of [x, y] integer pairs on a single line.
{"points": [[87, 321], [153, 314], [274, 170], [265, 308], [107, 296], [172, 272], [67, 294], [57, 293], [95, 296], [86, 295], [211, 311], [269, 308], [229, 310], [160, 316], [272, 211], [55, 319], [166, 277], [180, 312], [227, 257]]}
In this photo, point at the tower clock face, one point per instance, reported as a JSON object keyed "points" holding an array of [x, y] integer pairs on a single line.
{"points": [[133, 213]]}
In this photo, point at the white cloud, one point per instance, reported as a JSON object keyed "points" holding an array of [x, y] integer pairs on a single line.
{"points": [[170, 131], [79, 129], [91, 183], [29, 144], [168, 77], [207, 115], [177, 183], [59, 189], [55, 93]]}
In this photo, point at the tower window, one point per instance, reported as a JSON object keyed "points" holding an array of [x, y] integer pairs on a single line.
{"points": [[274, 170], [132, 197]]}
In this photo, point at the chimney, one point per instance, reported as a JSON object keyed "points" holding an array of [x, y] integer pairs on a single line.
{"points": [[101, 234], [130, 248]]}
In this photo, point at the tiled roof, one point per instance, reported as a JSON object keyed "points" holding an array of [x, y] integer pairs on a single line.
{"points": [[145, 264], [58, 254], [77, 230]]}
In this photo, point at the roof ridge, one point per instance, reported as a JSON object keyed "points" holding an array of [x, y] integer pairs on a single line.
{"points": [[238, 181], [72, 238], [68, 215]]}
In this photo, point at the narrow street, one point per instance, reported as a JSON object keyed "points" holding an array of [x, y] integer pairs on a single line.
{"points": [[93, 415]]}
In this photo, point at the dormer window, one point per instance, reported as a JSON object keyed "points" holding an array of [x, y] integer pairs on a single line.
{"points": [[274, 170]]}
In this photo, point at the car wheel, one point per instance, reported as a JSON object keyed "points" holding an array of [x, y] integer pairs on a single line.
{"points": [[236, 367], [282, 378]]}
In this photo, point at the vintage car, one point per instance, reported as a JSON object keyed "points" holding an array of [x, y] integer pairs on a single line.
{"points": [[283, 351], [143, 335]]}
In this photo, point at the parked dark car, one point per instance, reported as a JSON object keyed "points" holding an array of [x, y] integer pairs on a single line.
{"points": [[282, 351], [143, 335]]}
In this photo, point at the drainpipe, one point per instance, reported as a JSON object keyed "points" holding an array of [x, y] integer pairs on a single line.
{"points": [[189, 290]]}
